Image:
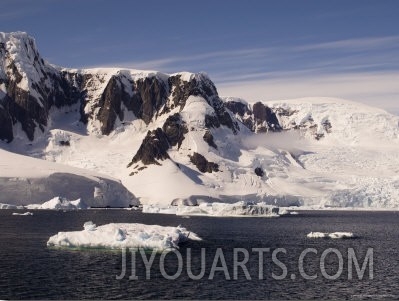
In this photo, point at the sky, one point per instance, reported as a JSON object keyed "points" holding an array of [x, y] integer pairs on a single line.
{"points": [[257, 50]]}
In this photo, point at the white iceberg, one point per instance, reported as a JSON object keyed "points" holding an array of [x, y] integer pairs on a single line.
{"points": [[333, 235], [8, 206], [218, 209], [156, 209], [23, 214], [59, 203], [123, 235]]}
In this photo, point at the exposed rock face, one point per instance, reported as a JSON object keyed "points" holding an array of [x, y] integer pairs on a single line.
{"points": [[238, 107], [259, 118], [150, 96], [259, 172], [265, 119], [30, 87], [174, 129], [110, 105], [153, 148], [200, 85], [156, 144], [5, 124], [202, 163], [208, 138]]}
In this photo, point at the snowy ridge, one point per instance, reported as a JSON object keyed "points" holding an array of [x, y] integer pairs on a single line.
{"points": [[351, 122], [24, 55]]}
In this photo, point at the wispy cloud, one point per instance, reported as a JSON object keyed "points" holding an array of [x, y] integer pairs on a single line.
{"points": [[379, 89], [364, 69], [353, 54], [218, 57], [353, 44]]}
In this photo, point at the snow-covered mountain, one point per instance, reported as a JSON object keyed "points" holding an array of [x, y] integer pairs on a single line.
{"points": [[170, 138]]}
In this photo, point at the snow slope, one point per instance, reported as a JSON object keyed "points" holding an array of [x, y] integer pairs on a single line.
{"points": [[359, 154], [25, 180]]}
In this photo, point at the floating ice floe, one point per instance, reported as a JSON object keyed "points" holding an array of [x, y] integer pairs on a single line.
{"points": [[59, 203], [334, 235], [23, 214], [286, 211], [218, 209], [8, 206], [123, 235]]}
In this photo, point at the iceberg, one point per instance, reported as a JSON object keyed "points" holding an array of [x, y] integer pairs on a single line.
{"points": [[218, 209], [8, 206], [23, 214], [59, 203], [123, 235], [156, 209], [333, 235]]}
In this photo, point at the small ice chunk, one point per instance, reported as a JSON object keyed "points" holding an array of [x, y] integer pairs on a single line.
{"points": [[23, 214], [342, 235], [333, 235], [89, 226]]}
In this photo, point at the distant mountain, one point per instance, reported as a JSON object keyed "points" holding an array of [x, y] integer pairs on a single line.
{"points": [[172, 139]]}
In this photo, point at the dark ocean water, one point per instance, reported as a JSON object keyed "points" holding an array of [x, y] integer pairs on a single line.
{"points": [[29, 270]]}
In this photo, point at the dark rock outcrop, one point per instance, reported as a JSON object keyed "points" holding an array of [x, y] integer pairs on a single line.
{"points": [[5, 123], [211, 121], [65, 143], [174, 129], [150, 95], [110, 105], [202, 86], [156, 144], [238, 107], [264, 118], [34, 87], [203, 164], [208, 138], [259, 172], [153, 148], [46, 88], [327, 126], [259, 119]]}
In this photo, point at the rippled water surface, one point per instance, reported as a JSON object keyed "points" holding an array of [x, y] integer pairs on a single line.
{"points": [[29, 270]]}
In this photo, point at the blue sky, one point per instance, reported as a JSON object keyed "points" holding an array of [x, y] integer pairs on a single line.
{"points": [[259, 50]]}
